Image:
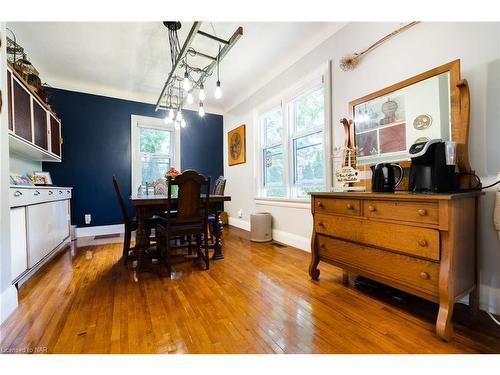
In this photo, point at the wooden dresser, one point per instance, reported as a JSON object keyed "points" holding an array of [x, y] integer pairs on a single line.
{"points": [[424, 244]]}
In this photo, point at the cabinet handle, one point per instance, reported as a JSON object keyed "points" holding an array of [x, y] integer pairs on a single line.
{"points": [[17, 193], [424, 275], [422, 242], [422, 212], [349, 206], [67, 191], [36, 193], [51, 192], [60, 191], [371, 208], [321, 224], [320, 205]]}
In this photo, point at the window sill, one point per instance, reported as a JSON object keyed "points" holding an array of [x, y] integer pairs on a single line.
{"points": [[281, 202]]}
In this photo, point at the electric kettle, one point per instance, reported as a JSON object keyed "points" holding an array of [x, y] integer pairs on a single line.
{"points": [[384, 179]]}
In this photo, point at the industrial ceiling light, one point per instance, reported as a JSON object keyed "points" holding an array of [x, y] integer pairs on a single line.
{"points": [[183, 123], [201, 94], [218, 91], [189, 98], [201, 111]]}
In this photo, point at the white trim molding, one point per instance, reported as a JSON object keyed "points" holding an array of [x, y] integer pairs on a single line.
{"points": [[100, 230], [302, 204], [8, 302]]}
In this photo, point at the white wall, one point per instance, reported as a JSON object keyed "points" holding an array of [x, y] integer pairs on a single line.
{"points": [[423, 47], [8, 293], [22, 166]]}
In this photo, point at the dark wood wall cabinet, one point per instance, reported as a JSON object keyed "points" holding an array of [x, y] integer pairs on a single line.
{"points": [[34, 130]]}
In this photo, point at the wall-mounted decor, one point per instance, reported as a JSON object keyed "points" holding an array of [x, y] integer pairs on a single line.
{"points": [[236, 146], [351, 60], [422, 122]]}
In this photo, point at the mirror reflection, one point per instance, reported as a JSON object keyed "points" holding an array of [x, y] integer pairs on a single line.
{"points": [[387, 126]]}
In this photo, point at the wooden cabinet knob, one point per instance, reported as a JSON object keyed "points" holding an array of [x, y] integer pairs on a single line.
{"points": [[371, 208], [321, 224], [422, 242], [422, 212], [320, 204], [349, 206], [424, 275]]}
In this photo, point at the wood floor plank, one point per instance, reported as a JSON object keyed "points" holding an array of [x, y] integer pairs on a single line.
{"points": [[259, 299]]}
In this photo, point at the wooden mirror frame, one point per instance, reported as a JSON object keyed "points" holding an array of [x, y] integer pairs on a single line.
{"points": [[459, 113]]}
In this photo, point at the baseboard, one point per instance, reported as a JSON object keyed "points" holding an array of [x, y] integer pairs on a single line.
{"points": [[8, 302], [99, 230], [290, 239]]}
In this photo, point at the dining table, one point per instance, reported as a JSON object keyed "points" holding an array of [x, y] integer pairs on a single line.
{"points": [[148, 205]]}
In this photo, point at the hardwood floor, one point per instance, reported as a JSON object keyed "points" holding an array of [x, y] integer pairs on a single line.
{"points": [[259, 299]]}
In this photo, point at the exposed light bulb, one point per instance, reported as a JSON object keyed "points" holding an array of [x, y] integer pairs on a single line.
{"points": [[201, 110], [186, 84], [171, 114], [218, 91], [176, 125], [167, 120], [190, 98], [179, 115], [183, 123], [201, 94]]}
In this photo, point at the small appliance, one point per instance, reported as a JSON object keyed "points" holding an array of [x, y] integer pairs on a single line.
{"points": [[433, 167], [384, 178]]}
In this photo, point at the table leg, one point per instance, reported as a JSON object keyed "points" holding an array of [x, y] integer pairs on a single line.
{"points": [[217, 231], [142, 239]]}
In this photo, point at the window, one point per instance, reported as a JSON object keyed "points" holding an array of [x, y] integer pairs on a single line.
{"points": [[154, 149], [292, 144]]}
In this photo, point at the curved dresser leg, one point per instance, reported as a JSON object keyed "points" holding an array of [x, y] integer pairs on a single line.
{"points": [[444, 327], [313, 266]]}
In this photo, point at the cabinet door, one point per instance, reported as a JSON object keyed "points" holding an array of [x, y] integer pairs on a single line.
{"points": [[40, 125], [9, 99], [55, 136], [22, 111], [18, 250], [48, 227]]}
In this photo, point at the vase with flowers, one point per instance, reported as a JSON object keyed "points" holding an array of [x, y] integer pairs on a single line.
{"points": [[173, 173]]}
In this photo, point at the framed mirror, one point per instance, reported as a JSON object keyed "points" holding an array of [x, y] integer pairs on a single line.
{"points": [[427, 106]]}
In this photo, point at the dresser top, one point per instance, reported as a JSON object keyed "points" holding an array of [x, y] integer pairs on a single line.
{"points": [[398, 195]]}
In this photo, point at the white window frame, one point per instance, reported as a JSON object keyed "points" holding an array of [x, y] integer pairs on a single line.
{"points": [[283, 100], [156, 123]]}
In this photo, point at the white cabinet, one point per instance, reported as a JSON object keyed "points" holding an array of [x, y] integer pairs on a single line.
{"points": [[48, 227], [19, 255]]}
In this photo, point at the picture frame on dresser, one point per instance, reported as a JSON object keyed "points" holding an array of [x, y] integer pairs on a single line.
{"points": [[424, 244]]}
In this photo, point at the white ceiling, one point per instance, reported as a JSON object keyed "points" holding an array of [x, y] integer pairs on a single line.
{"points": [[132, 60]]}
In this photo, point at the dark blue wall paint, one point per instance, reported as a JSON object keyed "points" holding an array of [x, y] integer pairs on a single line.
{"points": [[96, 133]]}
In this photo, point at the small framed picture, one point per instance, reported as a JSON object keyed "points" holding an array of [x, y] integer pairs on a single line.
{"points": [[17, 179], [42, 178]]}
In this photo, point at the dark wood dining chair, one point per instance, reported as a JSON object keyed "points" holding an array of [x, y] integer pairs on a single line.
{"points": [[190, 219], [219, 187], [130, 223]]}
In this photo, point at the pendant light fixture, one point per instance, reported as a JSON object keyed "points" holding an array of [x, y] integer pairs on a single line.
{"points": [[218, 91], [201, 94], [201, 111], [183, 123], [189, 98]]}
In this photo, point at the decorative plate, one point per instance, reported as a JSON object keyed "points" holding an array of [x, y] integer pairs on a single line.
{"points": [[422, 122]]}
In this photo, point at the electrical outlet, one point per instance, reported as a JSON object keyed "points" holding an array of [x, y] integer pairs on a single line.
{"points": [[240, 213], [88, 218]]}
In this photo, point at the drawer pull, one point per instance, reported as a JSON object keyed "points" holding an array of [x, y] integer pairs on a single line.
{"points": [[320, 205], [422, 212], [422, 243], [371, 208], [17, 193], [67, 191], [36, 193], [60, 191], [424, 275], [350, 206], [321, 224], [51, 192]]}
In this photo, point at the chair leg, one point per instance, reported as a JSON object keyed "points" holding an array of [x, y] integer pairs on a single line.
{"points": [[126, 245], [167, 250], [207, 255]]}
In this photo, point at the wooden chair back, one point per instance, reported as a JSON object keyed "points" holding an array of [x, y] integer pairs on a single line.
{"points": [[191, 205], [123, 207], [219, 186]]}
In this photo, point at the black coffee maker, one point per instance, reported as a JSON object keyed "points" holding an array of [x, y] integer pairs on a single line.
{"points": [[432, 167]]}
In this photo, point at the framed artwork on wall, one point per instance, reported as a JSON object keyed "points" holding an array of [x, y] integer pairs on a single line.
{"points": [[236, 153], [42, 178]]}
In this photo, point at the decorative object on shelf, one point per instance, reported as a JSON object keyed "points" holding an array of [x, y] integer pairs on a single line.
{"points": [[172, 97], [389, 109], [351, 60], [17, 179], [344, 161], [41, 178], [236, 143], [422, 122]]}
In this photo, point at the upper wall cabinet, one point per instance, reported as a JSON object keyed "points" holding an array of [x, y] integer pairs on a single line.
{"points": [[34, 130]]}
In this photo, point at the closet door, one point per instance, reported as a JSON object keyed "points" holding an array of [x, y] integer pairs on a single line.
{"points": [[55, 136], [22, 111], [40, 125]]}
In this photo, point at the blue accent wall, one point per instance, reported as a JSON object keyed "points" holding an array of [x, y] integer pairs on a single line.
{"points": [[96, 134]]}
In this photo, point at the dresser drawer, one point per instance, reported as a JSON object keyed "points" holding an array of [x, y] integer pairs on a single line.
{"points": [[405, 211], [417, 273], [422, 242], [338, 206]]}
